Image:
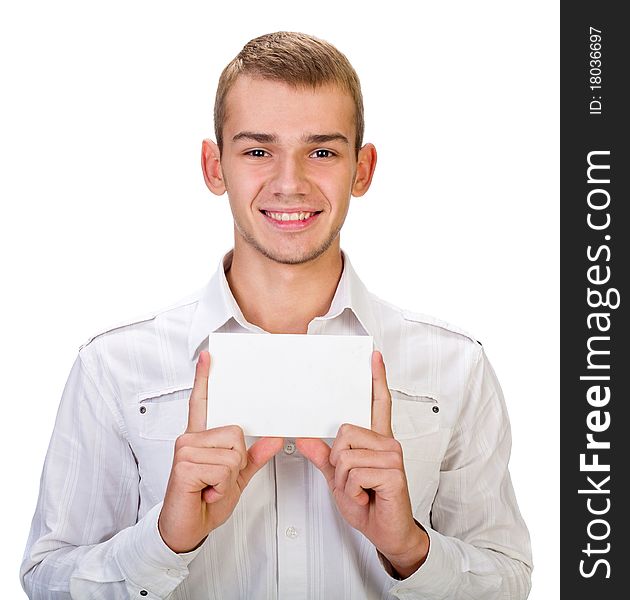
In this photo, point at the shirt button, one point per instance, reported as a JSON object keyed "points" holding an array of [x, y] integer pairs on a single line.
{"points": [[289, 447], [291, 533], [144, 593], [435, 409], [143, 409]]}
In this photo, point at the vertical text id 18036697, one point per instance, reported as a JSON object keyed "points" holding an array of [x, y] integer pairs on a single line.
{"points": [[595, 71]]}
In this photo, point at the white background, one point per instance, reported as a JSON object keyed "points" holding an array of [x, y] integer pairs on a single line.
{"points": [[105, 215]]}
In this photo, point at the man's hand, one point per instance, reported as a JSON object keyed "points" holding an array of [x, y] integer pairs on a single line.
{"points": [[365, 473], [211, 468]]}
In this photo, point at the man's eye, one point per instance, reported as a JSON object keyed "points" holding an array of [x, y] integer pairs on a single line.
{"points": [[323, 153], [257, 153]]}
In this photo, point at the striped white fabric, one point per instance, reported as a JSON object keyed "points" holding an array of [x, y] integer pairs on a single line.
{"points": [[94, 533]]}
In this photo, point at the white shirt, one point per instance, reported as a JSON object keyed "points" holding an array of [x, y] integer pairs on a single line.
{"points": [[94, 533]]}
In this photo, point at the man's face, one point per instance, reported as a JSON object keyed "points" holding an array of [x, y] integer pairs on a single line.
{"points": [[287, 152]]}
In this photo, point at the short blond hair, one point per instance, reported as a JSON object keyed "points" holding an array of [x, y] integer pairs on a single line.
{"points": [[297, 59]]}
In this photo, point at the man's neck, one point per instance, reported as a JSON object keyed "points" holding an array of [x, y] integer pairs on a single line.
{"points": [[283, 298]]}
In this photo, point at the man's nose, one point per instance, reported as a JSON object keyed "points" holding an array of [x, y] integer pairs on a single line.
{"points": [[290, 177]]}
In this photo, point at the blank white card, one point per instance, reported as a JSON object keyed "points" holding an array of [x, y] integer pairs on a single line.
{"points": [[289, 385]]}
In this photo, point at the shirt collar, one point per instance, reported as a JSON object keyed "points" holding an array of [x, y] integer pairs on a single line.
{"points": [[217, 305]]}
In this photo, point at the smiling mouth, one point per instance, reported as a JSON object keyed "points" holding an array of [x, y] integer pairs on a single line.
{"points": [[289, 216]]}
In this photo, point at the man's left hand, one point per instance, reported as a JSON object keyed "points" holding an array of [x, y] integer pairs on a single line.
{"points": [[365, 473]]}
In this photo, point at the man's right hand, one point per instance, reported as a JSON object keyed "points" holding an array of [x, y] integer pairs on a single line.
{"points": [[211, 468]]}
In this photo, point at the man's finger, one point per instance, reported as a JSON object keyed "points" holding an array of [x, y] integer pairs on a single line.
{"points": [[198, 403], [229, 437], [318, 452], [258, 455], [365, 478], [355, 459], [351, 437], [381, 398]]}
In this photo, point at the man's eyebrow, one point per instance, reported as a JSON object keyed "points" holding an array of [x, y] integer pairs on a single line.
{"points": [[309, 138], [323, 138], [261, 138]]}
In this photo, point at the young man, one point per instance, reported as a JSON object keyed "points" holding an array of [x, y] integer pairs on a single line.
{"points": [[139, 500]]}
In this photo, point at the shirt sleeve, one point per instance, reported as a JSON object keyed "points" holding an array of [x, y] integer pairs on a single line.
{"points": [[479, 543], [86, 539]]}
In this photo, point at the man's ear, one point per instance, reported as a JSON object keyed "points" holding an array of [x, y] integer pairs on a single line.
{"points": [[211, 167], [366, 163]]}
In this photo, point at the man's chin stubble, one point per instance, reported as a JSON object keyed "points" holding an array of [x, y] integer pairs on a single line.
{"points": [[293, 260]]}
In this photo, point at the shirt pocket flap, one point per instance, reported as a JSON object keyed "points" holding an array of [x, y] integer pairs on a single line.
{"points": [[414, 415], [417, 425], [163, 413]]}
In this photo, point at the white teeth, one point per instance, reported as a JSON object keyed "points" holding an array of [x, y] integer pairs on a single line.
{"points": [[289, 216]]}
